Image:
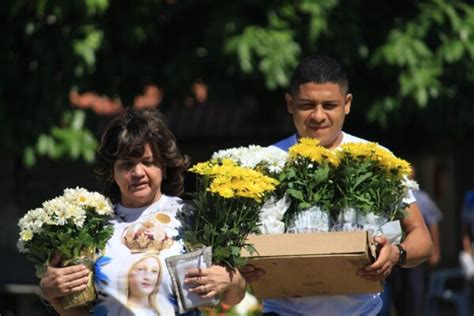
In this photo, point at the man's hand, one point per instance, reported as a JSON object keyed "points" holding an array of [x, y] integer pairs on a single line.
{"points": [[251, 273], [387, 258]]}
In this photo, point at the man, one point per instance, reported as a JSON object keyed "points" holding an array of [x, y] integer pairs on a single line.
{"points": [[319, 101]]}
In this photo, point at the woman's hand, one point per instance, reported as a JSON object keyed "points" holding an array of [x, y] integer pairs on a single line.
{"points": [[386, 260], [217, 279], [58, 282]]}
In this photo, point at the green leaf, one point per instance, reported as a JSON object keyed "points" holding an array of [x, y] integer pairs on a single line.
{"points": [[296, 194]]}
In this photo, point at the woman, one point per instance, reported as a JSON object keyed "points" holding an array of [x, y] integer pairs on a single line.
{"points": [[141, 169]]}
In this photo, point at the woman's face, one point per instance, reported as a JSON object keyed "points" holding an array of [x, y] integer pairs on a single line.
{"points": [[143, 278], [139, 179]]}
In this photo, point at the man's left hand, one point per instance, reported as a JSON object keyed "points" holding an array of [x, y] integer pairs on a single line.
{"points": [[387, 258]]}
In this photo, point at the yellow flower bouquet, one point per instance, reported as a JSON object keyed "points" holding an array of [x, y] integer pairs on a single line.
{"points": [[308, 178], [225, 209], [372, 183], [74, 226]]}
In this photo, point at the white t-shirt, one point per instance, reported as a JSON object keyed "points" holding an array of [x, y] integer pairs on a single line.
{"points": [[363, 304], [132, 278]]}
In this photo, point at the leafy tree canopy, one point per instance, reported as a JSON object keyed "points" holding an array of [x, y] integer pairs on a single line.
{"points": [[409, 62]]}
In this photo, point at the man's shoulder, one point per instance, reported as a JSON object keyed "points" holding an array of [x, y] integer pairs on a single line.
{"points": [[348, 138], [286, 143]]}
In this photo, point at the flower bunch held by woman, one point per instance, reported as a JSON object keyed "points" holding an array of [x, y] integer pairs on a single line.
{"points": [[371, 180], [141, 169], [270, 161], [225, 208], [73, 226], [308, 178]]}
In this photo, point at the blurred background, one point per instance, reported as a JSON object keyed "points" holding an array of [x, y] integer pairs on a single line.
{"points": [[219, 70]]}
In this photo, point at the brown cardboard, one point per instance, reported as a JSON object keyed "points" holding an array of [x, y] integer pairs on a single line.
{"points": [[298, 265]]}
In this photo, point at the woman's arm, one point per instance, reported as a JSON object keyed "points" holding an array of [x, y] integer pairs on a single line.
{"points": [[215, 280]]}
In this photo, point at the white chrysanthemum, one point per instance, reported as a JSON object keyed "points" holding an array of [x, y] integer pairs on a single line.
{"points": [[26, 235], [33, 220], [51, 207], [410, 184], [20, 245], [271, 158], [78, 196], [79, 218], [101, 205], [76, 214], [61, 216]]}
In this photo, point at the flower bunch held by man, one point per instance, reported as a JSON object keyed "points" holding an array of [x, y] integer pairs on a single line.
{"points": [[372, 184], [308, 178]]}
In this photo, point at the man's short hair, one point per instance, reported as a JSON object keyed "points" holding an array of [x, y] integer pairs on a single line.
{"points": [[319, 69]]}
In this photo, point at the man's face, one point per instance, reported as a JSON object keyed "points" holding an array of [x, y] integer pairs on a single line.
{"points": [[318, 111]]}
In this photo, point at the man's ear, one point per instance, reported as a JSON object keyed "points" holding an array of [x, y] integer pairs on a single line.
{"points": [[289, 100], [347, 105]]}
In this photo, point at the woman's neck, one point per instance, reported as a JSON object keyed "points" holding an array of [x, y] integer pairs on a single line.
{"points": [[135, 203]]}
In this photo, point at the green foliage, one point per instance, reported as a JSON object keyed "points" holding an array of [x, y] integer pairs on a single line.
{"points": [[272, 49], [308, 184], [422, 50], [370, 179], [224, 224], [71, 140], [408, 60]]}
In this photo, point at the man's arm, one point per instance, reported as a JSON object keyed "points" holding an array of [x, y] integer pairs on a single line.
{"points": [[417, 243], [436, 256]]}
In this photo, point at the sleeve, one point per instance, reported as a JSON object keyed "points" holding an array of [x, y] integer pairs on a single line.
{"points": [[430, 211], [467, 213]]}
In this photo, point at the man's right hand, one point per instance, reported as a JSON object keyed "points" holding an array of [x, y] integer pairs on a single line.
{"points": [[251, 273]]}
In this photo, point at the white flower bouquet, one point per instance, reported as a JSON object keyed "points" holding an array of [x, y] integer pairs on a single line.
{"points": [[74, 226], [268, 160]]}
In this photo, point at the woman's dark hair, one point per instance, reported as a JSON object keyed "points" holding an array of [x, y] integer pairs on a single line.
{"points": [[126, 136]]}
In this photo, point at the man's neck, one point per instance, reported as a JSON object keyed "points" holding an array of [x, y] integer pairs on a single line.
{"points": [[336, 142]]}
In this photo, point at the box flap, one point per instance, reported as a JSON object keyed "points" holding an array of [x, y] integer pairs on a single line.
{"points": [[308, 244]]}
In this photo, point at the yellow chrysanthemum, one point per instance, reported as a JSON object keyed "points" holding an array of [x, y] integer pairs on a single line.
{"points": [[384, 158], [230, 180], [310, 148]]}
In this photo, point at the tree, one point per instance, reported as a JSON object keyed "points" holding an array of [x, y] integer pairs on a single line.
{"points": [[407, 63]]}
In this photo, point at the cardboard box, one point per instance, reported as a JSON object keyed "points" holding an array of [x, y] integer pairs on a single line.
{"points": [[298, 265]]}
